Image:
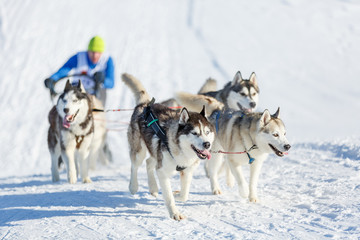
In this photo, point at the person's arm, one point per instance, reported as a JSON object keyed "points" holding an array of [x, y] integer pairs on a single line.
{"points": [[109, 74], [65, 69]]}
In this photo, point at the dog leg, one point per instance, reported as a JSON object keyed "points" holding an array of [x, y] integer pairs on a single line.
{"points": [[165, 184], [136, 160], [95, 154], [84, 166], [255, 169], [236, 170], [206, 168], [229, 176], [214, 166], [69, 160], [55, 155], [150, 167], [185, 178]]}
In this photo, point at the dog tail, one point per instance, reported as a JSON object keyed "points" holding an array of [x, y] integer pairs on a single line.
{"points": [[209, 86], [195, 102], [141, 96]]}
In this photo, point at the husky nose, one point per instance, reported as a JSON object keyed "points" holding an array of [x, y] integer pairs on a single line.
{"points": [[66, 110], [252, 104], [206, 145], [287, 147]]}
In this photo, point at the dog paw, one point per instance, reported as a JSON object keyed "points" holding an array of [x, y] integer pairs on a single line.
{"points": [[72, 180], [133, 188], [178, 216], [87, 180], [254, 199], [155, 194], [55, 179], [244, 192], [217, 192], [179, 197]]}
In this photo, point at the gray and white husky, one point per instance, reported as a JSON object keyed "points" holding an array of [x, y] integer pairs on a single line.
{"points": [[239, 94], [189, 136], [71, 133], [249, 138]]}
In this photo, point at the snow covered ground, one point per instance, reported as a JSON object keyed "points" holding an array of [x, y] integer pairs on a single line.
{"points": [[306, 56]]}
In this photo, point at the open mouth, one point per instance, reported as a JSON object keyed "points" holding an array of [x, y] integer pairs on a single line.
{"points": [[276, 151], [68, 119], [244, 109], [202, 154]]}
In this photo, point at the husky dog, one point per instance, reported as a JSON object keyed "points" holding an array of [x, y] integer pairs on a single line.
{"points": [[239, 94], [252, 136], [186, 139], [71, 133], [99, 149]]}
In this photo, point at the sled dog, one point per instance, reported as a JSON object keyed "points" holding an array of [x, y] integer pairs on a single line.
{"points": [[71, 132], [252, 136], [177, 143], [239, 94]]}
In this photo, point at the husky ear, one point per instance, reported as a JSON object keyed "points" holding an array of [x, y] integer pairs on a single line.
{"points": [[203, 111], [184, 116], [67, 86], [237, 78], [81, 87], [265, 118], [253, 80], [277, 113]]}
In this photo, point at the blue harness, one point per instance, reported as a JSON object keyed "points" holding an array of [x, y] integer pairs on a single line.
{"points": [[228, 114]]}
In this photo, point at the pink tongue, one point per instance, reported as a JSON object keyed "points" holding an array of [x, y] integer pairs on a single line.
{"points": [[207, 153], [66, 124]]}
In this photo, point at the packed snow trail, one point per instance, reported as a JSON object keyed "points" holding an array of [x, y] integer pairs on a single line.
{"points": [[305, 55]]}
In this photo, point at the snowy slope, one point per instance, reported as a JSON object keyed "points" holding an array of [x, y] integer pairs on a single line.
{"points": [[305, 54]]}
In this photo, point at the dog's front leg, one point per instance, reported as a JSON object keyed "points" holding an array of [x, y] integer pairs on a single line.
{"points": [[214, 165], [255, 170], [68, 157], [84, 166], [164, 180], [236, 170], [185, 179]]}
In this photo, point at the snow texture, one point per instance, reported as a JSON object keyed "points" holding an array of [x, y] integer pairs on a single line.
{"points": [[306, 56]]}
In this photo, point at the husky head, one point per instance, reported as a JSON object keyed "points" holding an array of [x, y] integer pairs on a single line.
{"points": [[243, 94], [73, 104], [271, 134], [195, 134]]}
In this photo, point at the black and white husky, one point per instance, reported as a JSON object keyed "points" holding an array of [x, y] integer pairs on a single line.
{"points": [[187, 138], [239, 94], [71, 133], [247, 139]]}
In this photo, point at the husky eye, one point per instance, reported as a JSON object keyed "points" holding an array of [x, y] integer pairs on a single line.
{"points": [[243, 94], [276, 135], [254, 94], [195, 133], [75, 101]]}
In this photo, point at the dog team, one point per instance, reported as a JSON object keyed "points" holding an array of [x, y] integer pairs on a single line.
{"points": [[220, 127]]}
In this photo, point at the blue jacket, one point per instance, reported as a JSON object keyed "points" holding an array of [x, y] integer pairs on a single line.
{"points": [[72, 63]]}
